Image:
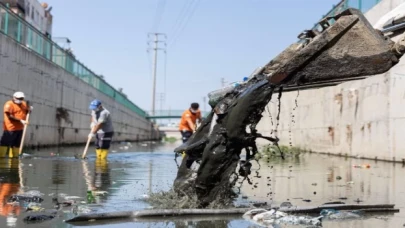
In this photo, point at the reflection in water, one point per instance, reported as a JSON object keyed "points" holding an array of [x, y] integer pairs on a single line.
{"points": [[201, 224], [128, 176], [101, 175], [9, 185], [101, 178], [58, 168]]}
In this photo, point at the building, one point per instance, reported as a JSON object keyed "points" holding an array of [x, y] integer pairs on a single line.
{"points": [[35, 13]]}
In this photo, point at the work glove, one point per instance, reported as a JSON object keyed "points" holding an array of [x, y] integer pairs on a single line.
{"points": [[24, 122], [91, 135]]}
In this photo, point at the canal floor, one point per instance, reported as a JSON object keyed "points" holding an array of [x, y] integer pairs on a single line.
{"points": [[135, 170]]}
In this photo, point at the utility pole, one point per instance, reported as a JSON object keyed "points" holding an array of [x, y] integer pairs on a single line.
{"points": [[205, 105], [155, 48], [161, 101], [223, 82]]}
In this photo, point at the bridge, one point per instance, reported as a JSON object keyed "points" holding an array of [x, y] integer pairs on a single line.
{"points": [[169, 114]]}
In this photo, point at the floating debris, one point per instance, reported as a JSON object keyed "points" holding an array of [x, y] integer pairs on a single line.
{"points": [[34, 207], [335, 214], [268, 218], [24, 199], [98, 193], [38, 218]]}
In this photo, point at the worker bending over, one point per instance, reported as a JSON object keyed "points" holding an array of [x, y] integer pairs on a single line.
{"points": [[101, 127], [188, 122]]}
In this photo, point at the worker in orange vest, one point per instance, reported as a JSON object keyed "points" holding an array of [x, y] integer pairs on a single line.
{"points": [[15, 117], [188, 122]]}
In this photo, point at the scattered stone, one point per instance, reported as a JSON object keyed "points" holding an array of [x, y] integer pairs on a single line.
{"points": [[314, 184], [286, 204], [334, 202], [259, 204], [338, 178]]}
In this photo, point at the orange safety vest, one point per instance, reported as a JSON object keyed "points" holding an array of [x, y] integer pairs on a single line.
{"points": [[188, 115], [17, 110]]}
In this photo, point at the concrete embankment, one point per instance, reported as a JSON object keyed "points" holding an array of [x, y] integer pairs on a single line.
{"points": [[363, 118], [60, 100]]}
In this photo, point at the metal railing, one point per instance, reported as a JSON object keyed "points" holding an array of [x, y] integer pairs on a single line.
{"points": [[16, 27], [362, 5], [173, 113]]}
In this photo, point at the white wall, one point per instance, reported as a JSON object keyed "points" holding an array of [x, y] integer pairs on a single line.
{"points": [[364, 118], [379, 10]]}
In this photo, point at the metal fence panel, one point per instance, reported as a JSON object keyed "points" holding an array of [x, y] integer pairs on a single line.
{"points": [[17, 28]]}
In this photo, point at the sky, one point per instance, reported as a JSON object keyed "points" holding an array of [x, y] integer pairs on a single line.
{"points": [[206, 40]]}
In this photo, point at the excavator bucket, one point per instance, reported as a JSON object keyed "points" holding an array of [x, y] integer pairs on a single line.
{"points": [[349, 48]]}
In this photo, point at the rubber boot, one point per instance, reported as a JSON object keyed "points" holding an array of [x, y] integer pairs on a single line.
{"points": [[14, 152], [98, 153], [3, 151], [104, 153]]}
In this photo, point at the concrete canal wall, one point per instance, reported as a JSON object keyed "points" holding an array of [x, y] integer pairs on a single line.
{"points": [[51, 88], [364, 118]]}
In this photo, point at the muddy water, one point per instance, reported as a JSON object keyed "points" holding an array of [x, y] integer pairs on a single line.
{"points": [[133, 171]]}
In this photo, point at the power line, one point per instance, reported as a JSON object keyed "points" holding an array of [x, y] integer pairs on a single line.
{"points": [[180, 16], [164, 73], [173, 41], [160, 9], [156, 48]]}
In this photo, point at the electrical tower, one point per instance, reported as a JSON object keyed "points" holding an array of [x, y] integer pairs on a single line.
{"points": [[205, 102], [161, 101], [223, 82], [157, 39]]}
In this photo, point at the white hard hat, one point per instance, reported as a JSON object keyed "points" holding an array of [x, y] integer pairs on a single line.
{"points": [[18, 95]]}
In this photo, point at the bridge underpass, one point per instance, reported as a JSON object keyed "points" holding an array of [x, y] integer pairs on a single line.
{"points": [[169, 114], [168, 121]]}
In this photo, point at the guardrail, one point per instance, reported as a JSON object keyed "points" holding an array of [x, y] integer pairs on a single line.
{"points": [[14, 26], [362, 5]]}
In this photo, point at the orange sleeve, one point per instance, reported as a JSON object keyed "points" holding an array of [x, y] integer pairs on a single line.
{"points": [[8, 107]]}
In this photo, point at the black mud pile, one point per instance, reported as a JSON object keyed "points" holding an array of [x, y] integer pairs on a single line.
{"points": [[219, 141]]}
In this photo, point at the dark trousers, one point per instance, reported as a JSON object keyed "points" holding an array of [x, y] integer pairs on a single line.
{"points": [[103, 140], [11, 138], [185, 135]]}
